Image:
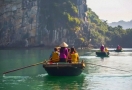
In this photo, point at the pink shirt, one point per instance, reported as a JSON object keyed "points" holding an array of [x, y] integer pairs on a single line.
{"points": [[102, 48], [64, 54]]}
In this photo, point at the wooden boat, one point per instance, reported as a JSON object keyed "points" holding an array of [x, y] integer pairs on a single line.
{"points": [[118, 50], [102, 54], [64, 69]]}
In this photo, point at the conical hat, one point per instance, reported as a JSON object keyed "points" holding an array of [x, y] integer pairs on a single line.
{"points": [[63, 45]]}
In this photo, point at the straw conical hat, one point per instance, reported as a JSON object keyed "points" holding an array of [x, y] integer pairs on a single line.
{"points": [[63, 45]]}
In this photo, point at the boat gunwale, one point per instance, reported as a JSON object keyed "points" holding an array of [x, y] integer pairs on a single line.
{"points": [[63, 64]]}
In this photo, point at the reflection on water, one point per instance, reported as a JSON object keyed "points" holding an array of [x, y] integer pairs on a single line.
{"points": [[82, 82], [59, 83], [93, 77], [42, 82]]}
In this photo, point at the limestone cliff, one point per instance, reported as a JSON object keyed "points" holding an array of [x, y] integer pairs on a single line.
{"points": [[18, 21], [30, 23]]}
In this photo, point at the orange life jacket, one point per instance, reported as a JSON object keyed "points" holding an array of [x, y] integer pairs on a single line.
{"points": [[74, 57], [55, 57]]}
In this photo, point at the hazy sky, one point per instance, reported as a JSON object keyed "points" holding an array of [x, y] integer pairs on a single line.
{"points": [[112, 10]]}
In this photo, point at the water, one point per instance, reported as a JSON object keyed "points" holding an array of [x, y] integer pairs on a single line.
{"points": [[93, 77]]}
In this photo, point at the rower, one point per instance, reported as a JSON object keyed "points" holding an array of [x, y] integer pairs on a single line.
{"points": [[54, 57]]}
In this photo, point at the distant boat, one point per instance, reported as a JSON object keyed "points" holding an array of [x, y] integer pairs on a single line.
{"points": [[64, 69], [102, 54], [118, 50]]}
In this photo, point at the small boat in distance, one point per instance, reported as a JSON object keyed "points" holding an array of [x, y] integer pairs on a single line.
{"points": [[103, 51], [64, 69], [102, 54], [118, 49]]}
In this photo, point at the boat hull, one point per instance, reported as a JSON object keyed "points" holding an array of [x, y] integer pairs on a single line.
{"points": [[102, 54], [118, 50], [63, 69]]}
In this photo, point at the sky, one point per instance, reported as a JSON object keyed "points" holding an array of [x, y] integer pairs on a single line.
{"points": [[112, 10]]}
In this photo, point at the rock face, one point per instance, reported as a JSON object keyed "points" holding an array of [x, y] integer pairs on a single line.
{"points": [[20, 23]]}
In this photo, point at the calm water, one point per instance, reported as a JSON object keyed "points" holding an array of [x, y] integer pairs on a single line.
{"points": [[93, 77]]}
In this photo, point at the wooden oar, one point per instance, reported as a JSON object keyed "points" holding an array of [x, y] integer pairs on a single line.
{"points": [[23, 67], [108, 67]]}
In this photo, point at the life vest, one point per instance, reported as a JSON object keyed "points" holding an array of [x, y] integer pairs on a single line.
{"points": [[106, 49], [74, 57], [55, 57]]}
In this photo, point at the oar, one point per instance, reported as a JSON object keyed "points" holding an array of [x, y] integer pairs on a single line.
{"points": [[108, 67], [23, 67]]}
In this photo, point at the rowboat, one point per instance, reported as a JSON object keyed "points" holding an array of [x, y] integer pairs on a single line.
{"points": [[102, 54], [118, 50], [64, 69]]}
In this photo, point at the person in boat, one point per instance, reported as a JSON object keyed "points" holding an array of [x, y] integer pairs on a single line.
{"points": [[74, 56], [54, 57], [63, 52], [69, 56], [106, 49], [119, 47], [102, 48]]}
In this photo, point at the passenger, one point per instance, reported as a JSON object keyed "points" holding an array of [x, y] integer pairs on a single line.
{"points": [[118, 47], [63, 52], [102, 48], [58, 49], [69, 56], [106, 49], [74, 56], [54, 57]]}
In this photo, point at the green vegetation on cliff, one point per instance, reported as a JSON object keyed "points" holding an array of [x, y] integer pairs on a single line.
{"points": [[52, 21], [101, 32]]}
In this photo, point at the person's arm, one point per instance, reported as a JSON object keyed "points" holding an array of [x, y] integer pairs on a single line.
{"points": [[77, 57], [66, 52]]}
